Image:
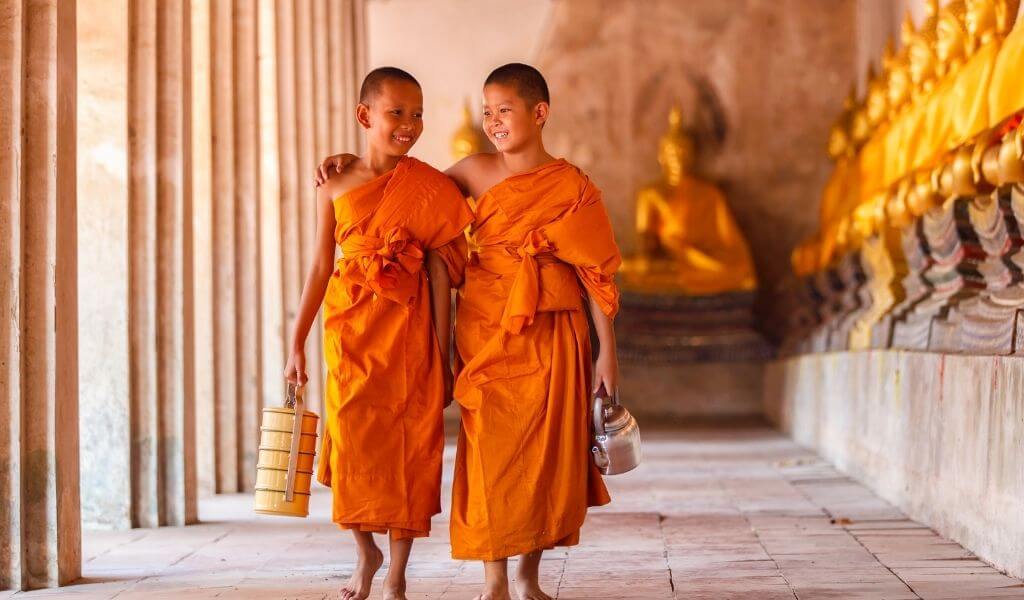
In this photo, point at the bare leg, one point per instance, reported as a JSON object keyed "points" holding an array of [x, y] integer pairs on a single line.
{"points": [[370, 560], [394, 583], [496, 581], [528, 577]]}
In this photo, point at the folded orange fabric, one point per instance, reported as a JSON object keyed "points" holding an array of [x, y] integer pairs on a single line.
{"points": [[523, 476], [383, 429]]}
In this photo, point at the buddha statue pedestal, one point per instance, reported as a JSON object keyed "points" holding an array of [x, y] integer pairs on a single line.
{"points": [[690, 356]]}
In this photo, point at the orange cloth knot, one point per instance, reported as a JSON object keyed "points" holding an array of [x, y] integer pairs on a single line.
{"points": [[524, 294], [389, 266]]}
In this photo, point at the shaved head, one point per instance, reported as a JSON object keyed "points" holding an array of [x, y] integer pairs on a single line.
{"points": [[375, 79], [526, 80]]}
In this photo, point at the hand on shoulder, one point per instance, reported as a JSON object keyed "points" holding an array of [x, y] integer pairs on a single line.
{"points": [[344, 177], [336, 163]]}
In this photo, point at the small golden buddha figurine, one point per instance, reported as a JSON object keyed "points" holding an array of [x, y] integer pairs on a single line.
{"points": [[841, 192], [468, 138], [898, 67], [878, 89], [951, 42], [921, 53], [1006, 94], [687, 239]]}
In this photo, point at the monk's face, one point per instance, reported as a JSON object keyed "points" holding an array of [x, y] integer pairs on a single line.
{"points": [[509, 122], [394, 118]]}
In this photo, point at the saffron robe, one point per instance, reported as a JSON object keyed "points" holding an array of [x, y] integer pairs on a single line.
{"points": [[383, 429], [524, 475]]}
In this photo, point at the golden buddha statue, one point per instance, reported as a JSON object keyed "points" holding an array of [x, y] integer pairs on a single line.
{"points": [[921, 52], [687, 239], [1006, 94], [922, 64], [469, 137], [937, 133], [840, 195], [898, 89]]}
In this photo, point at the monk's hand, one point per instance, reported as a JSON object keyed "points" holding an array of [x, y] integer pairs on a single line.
{"points": [[448, 388], [606, 373], [333, 164], [295, 371]]}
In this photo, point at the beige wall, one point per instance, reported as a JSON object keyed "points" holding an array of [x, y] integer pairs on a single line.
{"points": [[450, 46]]}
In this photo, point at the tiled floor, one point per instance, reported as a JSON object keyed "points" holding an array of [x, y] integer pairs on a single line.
{"points": [[713, 513]]}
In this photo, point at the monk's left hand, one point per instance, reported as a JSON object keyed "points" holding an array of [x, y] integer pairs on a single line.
{"points": [[606, 373], [448, 388]]}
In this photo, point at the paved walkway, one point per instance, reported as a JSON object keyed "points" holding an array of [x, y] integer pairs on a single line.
{"points": [[713, 513]]}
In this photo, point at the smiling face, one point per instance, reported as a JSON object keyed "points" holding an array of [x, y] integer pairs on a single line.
{"points": [[393, 119], [509, 122]]}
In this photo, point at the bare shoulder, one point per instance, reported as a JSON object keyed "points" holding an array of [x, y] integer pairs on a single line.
{"points": [[339, 183], [476, 173]]}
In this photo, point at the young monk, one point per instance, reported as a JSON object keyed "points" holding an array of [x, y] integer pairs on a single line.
{"points": [[387, 304], [545, 253]]}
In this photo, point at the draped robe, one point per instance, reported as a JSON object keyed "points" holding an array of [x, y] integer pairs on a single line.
{"points": [[384, 435], [524, 475]]}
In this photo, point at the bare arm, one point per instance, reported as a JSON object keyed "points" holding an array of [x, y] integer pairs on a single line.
{"points": [[313, 291], [441, 304], [606, 370], [461, 172]]}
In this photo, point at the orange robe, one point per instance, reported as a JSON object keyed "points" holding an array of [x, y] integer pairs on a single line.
{"points": [[524, 475], [384, 434]]}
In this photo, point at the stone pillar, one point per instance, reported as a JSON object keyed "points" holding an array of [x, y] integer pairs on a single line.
{"points": [[247, 237], [224, 324], [306, 72], [159, 311], [272, 325], [175, 322], [203, 358], [40, 532]]}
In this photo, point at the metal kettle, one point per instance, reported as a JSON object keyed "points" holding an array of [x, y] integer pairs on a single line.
{"points": [[616, 446]]}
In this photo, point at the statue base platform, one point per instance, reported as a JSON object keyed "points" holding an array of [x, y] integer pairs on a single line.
{"points": [[685, 358], [671, 328]]}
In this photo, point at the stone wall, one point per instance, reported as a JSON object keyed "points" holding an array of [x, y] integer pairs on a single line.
{"points": [[940, 436]]}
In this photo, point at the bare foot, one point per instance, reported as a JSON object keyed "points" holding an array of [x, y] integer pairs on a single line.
{"points": [[495, 593], [358, 586], [530, 590]]}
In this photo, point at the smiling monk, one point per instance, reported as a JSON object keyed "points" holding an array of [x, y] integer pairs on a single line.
{"points": [[399, 224], [545, 255]]}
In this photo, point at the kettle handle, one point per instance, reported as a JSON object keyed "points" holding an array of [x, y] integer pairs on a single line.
{"points": [[599, 397]]}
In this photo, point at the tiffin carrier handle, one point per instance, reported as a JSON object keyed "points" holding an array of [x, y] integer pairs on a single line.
{"points": [[294, 400]]}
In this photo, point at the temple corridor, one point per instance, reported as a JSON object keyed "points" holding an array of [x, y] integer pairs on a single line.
{"points": [[714, 512]]}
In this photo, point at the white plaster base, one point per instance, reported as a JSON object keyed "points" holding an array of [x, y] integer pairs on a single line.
{"points": [[940, 436]]}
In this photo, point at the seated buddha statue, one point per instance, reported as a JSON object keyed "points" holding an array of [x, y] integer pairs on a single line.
{"points": [[1006, 94], [687, 239]]}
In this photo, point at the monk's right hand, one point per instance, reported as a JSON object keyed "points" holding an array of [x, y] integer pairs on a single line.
{"points": [[333, 164], [295, 371]]}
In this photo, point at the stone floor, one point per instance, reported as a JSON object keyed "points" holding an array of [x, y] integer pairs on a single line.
{"points": [[738, 512]]}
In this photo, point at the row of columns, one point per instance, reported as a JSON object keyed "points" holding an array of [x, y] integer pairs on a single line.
{"points": [[155, 314]]}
